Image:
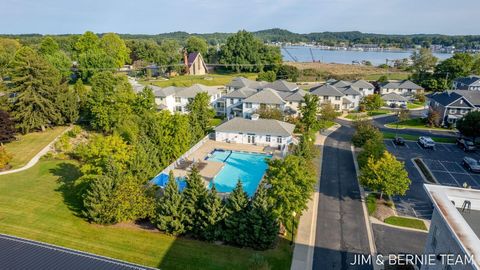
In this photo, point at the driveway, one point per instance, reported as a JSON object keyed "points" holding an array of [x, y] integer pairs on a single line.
{"points": [[341, 231]]}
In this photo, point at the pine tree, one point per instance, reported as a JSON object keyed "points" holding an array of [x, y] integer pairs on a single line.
{"points": [[35, 83], [7, 127], [236, 223], [262, 223], [211, 213], [193, 195], [67, 104], [97, 199], [170, 212]]}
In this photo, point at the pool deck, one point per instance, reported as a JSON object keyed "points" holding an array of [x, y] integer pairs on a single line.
{"points": [[209, 169]]}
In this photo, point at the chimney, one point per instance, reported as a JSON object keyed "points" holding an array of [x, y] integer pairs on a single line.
{"points": [[185, 61]]}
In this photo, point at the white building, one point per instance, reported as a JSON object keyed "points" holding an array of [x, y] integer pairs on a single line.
{"points": [[404, 88], [330, 94], [394, 100], [267, 98], [454, 229], [256, 131], [364, 87]]}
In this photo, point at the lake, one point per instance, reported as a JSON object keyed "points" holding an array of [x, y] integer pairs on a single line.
{"points": [[302, 54]]}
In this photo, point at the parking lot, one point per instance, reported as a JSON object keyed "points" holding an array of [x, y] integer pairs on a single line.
{"points": [[445, 164]]}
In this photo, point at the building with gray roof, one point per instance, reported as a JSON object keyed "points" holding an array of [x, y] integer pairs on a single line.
{"points": [[282, 85], [453, 105], [404, 88], [471, 82]]}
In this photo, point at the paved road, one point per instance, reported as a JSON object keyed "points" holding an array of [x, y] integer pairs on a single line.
{"points": [[341, 231]]}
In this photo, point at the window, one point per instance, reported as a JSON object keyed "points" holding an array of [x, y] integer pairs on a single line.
{"points": [[337, 107], [279, 140], [325, 97], [361, 89], [248, 105], [178, 108], [337, 98], [463, 111], [268, 138], [232, 101], [452, 111], [178, 99]]}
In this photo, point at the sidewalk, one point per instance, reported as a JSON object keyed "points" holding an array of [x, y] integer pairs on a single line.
{"points": [[305, 238], [37, 157]]}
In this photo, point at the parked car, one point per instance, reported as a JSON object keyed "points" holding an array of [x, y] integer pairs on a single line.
{"points": [[426, 142], [471, 164], [466, 144], [399, 141]]}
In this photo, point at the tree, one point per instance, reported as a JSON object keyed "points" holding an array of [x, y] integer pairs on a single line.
{"points": [[97, 200], [469, 124], [67, 104], [115, 48], [170, 212], [270, 113], [287, 72], [169, 55], [200, 114], [268, 76], [7, 127], [8, 48], [35, 83], [327, 112], [423, 63], [420, 97], [5, 158], [263, 224], [292, 182], [309, 110], [459, 65], [211, 213], [373, 148], [81, 92], [365, 131], [192, 197], [433, 118], [372, 102], [386, 175], [196, 44], [145, 101], [306, 147], [50, 50], [235, 229]]}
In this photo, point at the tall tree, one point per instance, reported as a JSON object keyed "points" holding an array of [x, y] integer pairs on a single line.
{"points": [[8, 48], [327, 112], [68, 105], [97, 200], [200, 114], [50, 50], [309, 111], [170, 212], [235, 229], [459, 65], [469, 125], [263, 224], [192, 197], [170, 55], [7, 127], [115, 47], [423, 63], [91, 57], [386, 175], [35, 83], [211, 213], [196, 44]]}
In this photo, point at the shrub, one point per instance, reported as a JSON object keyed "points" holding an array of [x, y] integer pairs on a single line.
{"points": [[373, 148], [364, 132], [74, 131], [258, 262], [268, 76], [5, 158]]}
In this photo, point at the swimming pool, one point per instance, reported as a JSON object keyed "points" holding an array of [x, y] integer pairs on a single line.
{"points": [[248, 167]]}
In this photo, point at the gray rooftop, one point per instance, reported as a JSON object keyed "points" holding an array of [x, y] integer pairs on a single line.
{"points": [[19, 253], [393, 97], [192, 91], [472, 217], [240, 82], [282, 85], [243, 92], [447, 97], [259, 127], [472, 80], [406, 84], [296, 96], [349, 90], [266, 96], [326, 90]]}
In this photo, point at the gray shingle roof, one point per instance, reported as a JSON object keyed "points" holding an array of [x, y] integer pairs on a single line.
{"points": [[362, 84], [259, 127], [19, 253], [296, 96], [240, 82], [472, 80], [282, 85], [341, 83], [350, 91], [266, 96], [393, 97], [444, 98], [192, 91], [243, 92], [472, 96], [406, 84], [165, 92], [326, 90]]}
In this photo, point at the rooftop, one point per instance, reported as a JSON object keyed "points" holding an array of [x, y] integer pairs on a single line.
{"points": [[260, 127]]}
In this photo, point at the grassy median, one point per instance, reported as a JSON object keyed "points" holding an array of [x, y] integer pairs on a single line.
{"points": [[406, 222]]}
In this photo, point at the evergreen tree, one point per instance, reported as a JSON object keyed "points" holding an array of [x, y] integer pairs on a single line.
{"points": [[35, 84], [81, 92], [67, 104], [50, 50], [262, 222], [7, 127], [200, 114], [211, 213], [193, 195], [170, 211], [309, 111], [97, 200], [235, 229]]}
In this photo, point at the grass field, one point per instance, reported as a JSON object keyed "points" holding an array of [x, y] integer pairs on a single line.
{"points": [[371, 203], [40, 204], [355, 116], [417, 123], [406, 222], [210, 80], [414, 105], [408, 137], [27, 146], [377, 112]]}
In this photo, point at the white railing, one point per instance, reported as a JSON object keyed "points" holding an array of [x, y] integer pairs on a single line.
{"points": [[185, 155]]}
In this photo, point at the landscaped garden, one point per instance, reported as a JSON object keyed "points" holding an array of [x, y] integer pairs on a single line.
{"points": [[416, 123]]}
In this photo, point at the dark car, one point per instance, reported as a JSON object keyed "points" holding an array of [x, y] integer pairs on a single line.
{"points": [[466, 144], [471, 164], [399, 141]]}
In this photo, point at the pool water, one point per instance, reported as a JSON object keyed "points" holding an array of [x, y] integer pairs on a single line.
{"points": [[248, 167]]}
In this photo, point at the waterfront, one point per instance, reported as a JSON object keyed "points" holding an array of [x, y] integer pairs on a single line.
{"points": [[302, 54]]}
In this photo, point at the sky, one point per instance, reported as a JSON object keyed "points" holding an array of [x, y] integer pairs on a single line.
{"points": [[453, 17]]}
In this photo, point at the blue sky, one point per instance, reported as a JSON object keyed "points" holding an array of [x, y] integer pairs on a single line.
{"points": [[204, 16]]}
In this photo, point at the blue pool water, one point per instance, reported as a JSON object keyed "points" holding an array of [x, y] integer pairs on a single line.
{"points": [[248, 167]]}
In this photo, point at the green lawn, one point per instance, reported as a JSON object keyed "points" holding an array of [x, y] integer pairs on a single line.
{"points": [[210, 79], [377, 112], [40, 204], [417, 123], [27, 146], [371, 203], [355, 116], [408, 137], [406, 222], [414, 105]]}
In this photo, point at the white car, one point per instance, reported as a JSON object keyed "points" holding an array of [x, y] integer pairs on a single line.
{"points": [[426, 142]]}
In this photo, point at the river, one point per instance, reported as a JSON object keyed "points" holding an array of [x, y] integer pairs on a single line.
{"points": [[302, 54]]}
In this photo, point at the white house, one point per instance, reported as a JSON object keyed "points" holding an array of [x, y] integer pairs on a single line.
{"points": [[394, 100], [361, 86], [267, 98], [330, 94], [256, 131], [404, 88], [241, 82], [234, 101]]}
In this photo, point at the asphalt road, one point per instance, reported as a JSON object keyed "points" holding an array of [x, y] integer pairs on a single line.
{"points": [[341, 231]]}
